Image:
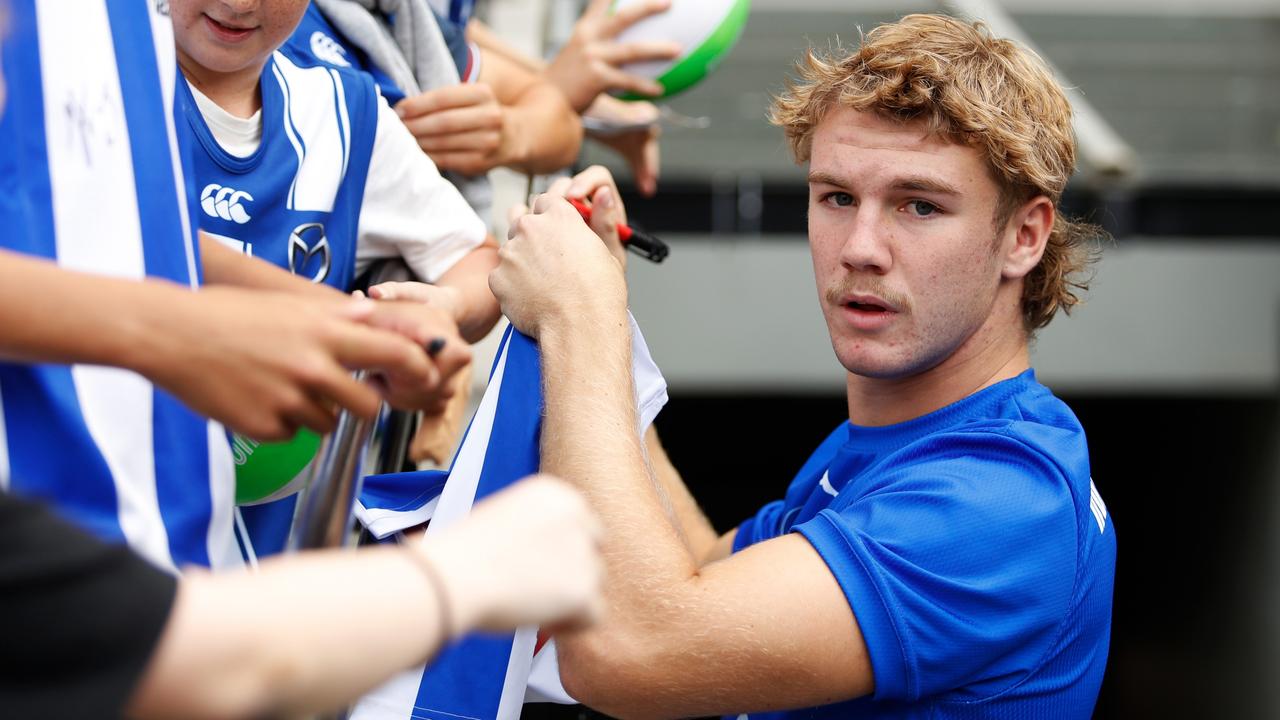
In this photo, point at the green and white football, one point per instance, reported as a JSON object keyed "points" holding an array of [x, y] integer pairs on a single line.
{"points": [[705, 29], [270, 471]]}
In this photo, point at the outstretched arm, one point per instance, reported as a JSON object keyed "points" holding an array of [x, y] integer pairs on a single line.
{"points": [[310, 632], [263, 363], [403, 387]]}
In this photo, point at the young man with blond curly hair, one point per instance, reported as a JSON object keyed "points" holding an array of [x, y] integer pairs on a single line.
{"points": [[944, 553]]}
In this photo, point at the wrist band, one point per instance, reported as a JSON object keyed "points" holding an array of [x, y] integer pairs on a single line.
{"points": [[437, 585]]}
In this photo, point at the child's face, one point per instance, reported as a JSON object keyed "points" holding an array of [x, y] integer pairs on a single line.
{"points": [[229, 36]]}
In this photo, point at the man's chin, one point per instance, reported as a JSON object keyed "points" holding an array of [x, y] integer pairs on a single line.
{"points": [[880, 365], [873, 367]]}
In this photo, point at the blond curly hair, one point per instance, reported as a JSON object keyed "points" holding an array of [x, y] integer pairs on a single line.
{"points": [[972, 89]]}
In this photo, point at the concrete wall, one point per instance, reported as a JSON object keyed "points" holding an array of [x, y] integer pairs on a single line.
{"points": [[1163, 317]]}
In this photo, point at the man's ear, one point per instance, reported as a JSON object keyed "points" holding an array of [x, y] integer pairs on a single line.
{"points": [[1030, 226]]}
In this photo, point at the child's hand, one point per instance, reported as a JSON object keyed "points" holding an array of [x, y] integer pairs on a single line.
{"points": [[268, 363], [434, 329], [439, 296]]}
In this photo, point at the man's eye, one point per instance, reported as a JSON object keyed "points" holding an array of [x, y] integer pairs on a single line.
{"points": [[920, 208], [841, 199]]}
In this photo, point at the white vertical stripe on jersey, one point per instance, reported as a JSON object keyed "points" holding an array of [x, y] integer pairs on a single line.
{"points": [[311, 108], [455, 504], [397, 698], [223, 550], [464, 476], [288, 129], [343, 117], [167, 62], [92, 187], [118, 406], [4, 450], [516, 682]]}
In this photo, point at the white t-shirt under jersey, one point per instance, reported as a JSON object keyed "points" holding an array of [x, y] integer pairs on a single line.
{"points": [[407, 203]]}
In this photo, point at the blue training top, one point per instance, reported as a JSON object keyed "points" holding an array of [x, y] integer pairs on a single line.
{"points": [[974, 550]]}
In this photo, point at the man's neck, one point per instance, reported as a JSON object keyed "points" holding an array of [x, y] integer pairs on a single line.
{"points": [[982, 361], [237, 92]]}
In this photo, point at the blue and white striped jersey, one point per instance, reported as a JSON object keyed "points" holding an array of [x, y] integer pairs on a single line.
{"points": [[486, 675], [296, 201], [92, 163]]}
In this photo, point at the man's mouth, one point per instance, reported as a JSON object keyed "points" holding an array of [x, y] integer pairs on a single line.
{"points": [[865, 307], [867, 303]]}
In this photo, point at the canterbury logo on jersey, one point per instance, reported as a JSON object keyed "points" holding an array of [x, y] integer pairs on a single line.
{"points": [[328, 50], [308, 241], [223, 202]]}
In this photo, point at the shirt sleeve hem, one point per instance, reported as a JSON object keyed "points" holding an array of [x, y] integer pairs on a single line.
{"points": [[844, 557]]}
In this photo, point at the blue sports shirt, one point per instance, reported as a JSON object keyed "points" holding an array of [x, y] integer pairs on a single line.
{"points": [[974, 551], [95, 174]]}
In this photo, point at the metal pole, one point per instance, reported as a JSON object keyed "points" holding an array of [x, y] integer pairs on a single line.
{"points": [[324, 514]]}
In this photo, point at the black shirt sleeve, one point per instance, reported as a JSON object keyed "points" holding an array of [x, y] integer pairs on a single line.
{"points": [[79, 618]]}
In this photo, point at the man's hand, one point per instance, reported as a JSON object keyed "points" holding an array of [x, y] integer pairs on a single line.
{"points": [[462, 127], [554, 268], [506, 566], [268, 363], [588, 63], [595, 187]]}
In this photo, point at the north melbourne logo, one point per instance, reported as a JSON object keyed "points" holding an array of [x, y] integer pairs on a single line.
{"points": [[223, 202], [328, 50], [309, 248]]}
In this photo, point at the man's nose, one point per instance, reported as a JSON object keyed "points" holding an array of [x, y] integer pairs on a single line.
{"points": [[867, 245]]}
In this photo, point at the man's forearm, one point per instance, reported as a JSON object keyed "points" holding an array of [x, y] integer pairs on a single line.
{"points": [[590, 436]]}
